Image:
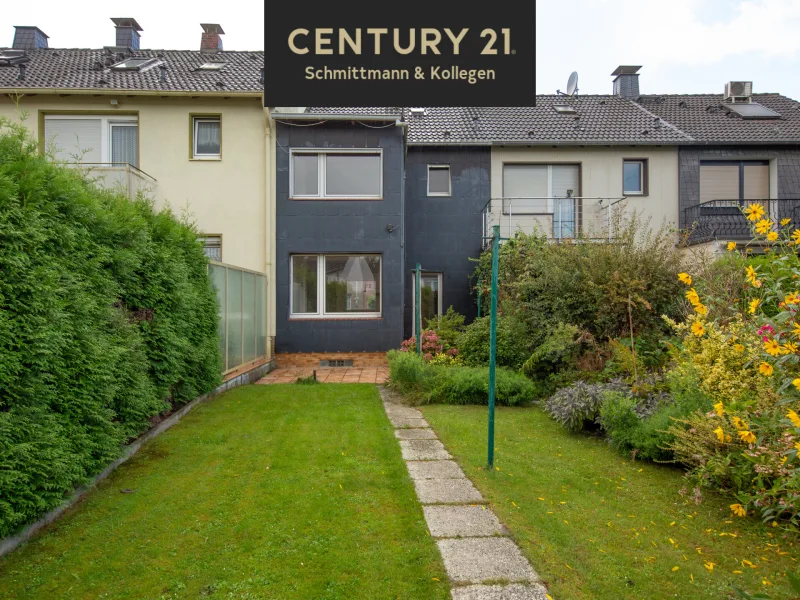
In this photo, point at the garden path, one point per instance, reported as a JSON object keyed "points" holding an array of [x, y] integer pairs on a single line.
{"points": [[475, 546], [331, 375]]}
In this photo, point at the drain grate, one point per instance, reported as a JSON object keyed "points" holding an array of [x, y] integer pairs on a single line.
{"points": [[336, 363]]}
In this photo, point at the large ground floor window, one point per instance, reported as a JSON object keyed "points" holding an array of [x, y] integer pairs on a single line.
{"points": [[335, 285]]}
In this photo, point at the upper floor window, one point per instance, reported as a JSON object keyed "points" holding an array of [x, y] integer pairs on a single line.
{"points": [[336, 174], [206, 137], [734, 180], [634, 177], [545, 191], [439, 180], [93, 139]]}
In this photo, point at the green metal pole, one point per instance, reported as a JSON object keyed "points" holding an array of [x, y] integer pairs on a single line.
{"points": [[493, 339], [480, 286], [418, 310]]}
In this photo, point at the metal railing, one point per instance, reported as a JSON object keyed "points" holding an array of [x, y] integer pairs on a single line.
{"points": [[724, 219], [558, 218], [242, 296], [122, 177]]}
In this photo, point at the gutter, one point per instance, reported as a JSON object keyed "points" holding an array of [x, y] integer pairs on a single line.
{"points": [[335, 117], [126, 92]]}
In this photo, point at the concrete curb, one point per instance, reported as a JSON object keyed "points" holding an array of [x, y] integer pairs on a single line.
{"points": [[11, 542]]}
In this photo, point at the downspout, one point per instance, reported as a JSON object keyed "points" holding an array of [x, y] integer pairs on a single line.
{"points": [[403, 156], [269, 226]]}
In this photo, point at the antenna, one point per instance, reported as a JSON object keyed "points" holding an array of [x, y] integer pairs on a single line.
{"points": [[572, 84]]}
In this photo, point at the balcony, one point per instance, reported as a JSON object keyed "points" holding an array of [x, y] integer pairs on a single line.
{"points": [[121, 177], [724, 220], [558, 218]]}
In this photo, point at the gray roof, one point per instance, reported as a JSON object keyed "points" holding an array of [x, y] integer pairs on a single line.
{"points": [[53, 68], [704, 117], [598, 120]]}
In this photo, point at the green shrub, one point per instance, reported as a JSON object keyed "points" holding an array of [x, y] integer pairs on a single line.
{"points": [[447, 326], [107, 316], [513, 342], [645, 438], [559, 349], [578, 406], [406, 371]]}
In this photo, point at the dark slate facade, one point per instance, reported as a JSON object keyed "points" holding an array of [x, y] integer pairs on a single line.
{"points": [[788, 166], [338, 226], [443, 233]]}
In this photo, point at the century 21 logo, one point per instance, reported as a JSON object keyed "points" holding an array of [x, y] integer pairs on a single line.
{"points": [[330, 41]]}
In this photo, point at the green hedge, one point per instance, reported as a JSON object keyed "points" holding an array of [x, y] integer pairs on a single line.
{"points": [[455, 384], [107, 317]]}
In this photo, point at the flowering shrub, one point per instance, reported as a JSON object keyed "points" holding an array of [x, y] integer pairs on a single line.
{"points": [[750, 364], [431, 345]]}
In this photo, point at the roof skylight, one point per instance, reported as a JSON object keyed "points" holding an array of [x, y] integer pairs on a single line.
{"points": [[212, 66], [564, 109], [134, 64], [752, 110]]}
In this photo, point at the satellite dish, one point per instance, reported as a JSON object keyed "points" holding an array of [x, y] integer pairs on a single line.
{"points": [[572, 84]]}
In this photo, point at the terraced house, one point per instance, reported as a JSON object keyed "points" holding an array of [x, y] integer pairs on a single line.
{"points": [[334, 206]]}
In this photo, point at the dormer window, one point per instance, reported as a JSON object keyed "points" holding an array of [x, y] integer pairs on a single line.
{"points": [[135, 64], [212, 66]]}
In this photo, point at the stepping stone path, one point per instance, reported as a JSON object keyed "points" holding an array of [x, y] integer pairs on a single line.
{"points": [[474, 545]]}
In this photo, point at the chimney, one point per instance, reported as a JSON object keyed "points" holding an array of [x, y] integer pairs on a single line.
{"points": [[127, 33], [210, 41], [626, 81], [27, 37]]}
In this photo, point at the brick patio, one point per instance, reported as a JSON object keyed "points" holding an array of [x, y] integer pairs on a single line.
{"points": [[333, 375]]}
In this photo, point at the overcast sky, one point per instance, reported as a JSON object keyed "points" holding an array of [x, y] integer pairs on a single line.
{"points": [[684, 46]]}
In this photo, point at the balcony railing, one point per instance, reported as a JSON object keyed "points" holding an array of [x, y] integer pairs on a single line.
{"points": [[557, 218], [122, 177], [724, 219]]}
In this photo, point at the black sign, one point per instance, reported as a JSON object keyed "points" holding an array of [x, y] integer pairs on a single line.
{"points": [[400, 54]]}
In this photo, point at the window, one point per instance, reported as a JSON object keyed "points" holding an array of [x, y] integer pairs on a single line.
{"points": [[430, 297], [734, 180], [438, 180], [212, 66], [212, 246], [634, 177], [336, 174], [207, 138], [335, 285], [543, 190], [93, 139], [564, 109], [136, 64]]}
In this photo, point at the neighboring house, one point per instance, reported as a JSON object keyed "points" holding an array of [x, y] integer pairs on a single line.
{"points": [[186, 126]]}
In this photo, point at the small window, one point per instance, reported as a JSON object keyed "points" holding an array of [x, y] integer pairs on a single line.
{"points": [[438, 180], [135, 64], [335, 285], [634, 177], [207, 138], [336, 174], [212, 246], [564, 109]]}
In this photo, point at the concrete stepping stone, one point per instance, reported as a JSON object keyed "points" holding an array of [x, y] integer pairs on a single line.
{"points": [[515, 591], [434, 469], [402, 412], [402, 422], [414, 434], [446, 491], [474, 560], [462, 521], [423, 450]]}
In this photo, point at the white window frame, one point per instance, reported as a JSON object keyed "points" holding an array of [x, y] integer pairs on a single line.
{"points": [[414, 295], [322, 153], [550, 203], [641, 164], [321, 287], [106, 123], [449, 180], [195, 154]]}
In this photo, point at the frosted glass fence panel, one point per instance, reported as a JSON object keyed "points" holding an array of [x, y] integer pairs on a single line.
{"points": [[242, 299]]}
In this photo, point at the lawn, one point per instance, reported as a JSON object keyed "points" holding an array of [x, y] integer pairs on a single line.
{"points": [[279, 491], [598, 526]]}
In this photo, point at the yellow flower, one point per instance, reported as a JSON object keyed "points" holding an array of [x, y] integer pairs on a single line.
{"points": [[763, 226], [739, 510], [750, 272], [731, 246], [719, 408], [772, 347], [701, 309], [797, 446], [720, 435], [754, 305], [796, 236], [698, 329], [693, 297], [772, 236], [754, 212], [739, 348], [792, 298], [789, 348], [709, 565], [796, 329], [793, 417], [757, 282], [747, 436], [738, 423], [785, 222], [765, 369], [685, 278]]}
